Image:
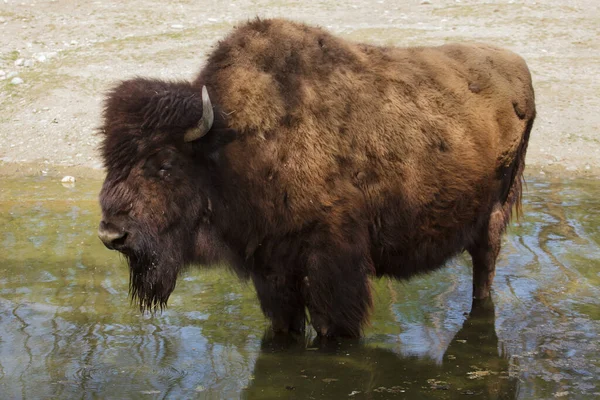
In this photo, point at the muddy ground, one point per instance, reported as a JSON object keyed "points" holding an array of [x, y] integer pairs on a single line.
{"points": [[58, 57]]}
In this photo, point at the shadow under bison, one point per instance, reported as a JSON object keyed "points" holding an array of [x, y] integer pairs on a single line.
{"points": [[472, 365]]}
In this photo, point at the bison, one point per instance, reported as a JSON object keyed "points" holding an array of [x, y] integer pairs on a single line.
{"points": [[309, 163]]}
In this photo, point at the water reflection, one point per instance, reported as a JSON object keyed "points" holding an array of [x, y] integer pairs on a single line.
{"points": [[67, 329], [472, 365]]}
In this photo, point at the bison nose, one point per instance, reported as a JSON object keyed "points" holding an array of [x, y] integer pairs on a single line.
{"points": [[113, 238]]}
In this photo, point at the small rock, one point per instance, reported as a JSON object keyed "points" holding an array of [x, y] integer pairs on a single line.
{"points": [[477, 374], [29, 63], [572, 168], [74, 42], [587, 166], [68, 179], [425, 2], [177, 26], [2, 73], [354, 392], [16, 81], [41, 58], [19, 62], [438, 385], [2, 20], [11, 74]]}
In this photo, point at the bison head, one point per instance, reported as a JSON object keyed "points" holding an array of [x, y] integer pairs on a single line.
{"points": [[159, 148]]}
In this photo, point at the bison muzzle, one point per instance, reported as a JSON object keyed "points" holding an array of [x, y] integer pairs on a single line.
{"points": [[309, 164]]}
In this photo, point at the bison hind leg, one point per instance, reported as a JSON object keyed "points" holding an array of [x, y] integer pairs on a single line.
{"points": [[485, 250]]}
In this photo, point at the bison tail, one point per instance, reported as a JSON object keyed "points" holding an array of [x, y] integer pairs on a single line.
{"points": [[515, 192]]}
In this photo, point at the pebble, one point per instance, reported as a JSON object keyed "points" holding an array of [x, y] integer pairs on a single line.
{"points": [[2, 73], [16, 81], [19, 62], [28, 63], [41, 58], [2, 20], [177, 26], [68, 179], [425, 2], [572, 168]]}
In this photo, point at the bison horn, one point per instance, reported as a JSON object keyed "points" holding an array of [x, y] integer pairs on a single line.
{"points": [[205, 122]]}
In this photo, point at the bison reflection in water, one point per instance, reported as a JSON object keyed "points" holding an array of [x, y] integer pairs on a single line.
{"points": [[471, 365], [308, 164]]}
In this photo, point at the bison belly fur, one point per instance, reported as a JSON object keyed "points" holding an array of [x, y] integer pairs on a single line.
{"points": [[309, 163]]}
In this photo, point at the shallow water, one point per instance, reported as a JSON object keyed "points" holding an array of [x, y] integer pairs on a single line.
{"points": [[67, 329]]}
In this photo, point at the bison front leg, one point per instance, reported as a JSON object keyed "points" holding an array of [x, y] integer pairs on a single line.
{"points": [[281, 301], [485, 252], [337, 290]]}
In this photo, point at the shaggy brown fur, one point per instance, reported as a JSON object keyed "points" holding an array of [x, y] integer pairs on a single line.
{"points": [[329, 162]]}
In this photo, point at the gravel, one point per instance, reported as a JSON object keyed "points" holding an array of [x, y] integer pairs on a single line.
{"points": [[75, 54]]}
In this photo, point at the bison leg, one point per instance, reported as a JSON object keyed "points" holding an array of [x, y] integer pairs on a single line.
{"points": [[337, 291], [281, 301], [484, 253]]}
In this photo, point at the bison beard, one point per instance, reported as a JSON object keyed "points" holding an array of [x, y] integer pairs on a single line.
{"points": [[154, 265], [310, 164], [151, 280]]}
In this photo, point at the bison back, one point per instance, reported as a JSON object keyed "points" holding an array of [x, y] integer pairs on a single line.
{"points": [[411, 145]]}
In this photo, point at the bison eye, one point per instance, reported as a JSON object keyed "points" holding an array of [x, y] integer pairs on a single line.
{"points": [[165, 170]]}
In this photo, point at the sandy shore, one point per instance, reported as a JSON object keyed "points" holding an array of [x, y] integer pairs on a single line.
{"points": [[58, 58]]}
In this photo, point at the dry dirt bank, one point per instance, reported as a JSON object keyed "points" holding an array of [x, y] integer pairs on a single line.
{"points": [[58, 57]]}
